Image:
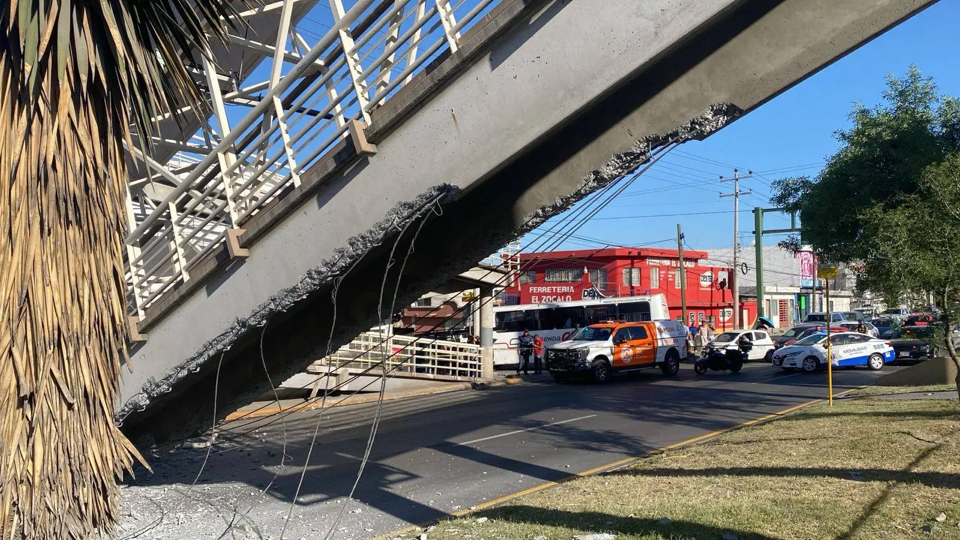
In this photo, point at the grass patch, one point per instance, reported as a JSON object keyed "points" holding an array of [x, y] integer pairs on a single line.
{"points": [[868, 468], [890, 390]]}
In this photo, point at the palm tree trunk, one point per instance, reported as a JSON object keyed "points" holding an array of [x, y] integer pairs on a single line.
{"points": [[74, 77], [62, 304]]}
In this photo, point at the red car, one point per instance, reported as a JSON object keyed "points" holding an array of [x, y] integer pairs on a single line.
{"points": [[918, 319]]}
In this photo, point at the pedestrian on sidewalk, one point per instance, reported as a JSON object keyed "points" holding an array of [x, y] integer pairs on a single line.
{"points": [[525, 348], [537, 354]]}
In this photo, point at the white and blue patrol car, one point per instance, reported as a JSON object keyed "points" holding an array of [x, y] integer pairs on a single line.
{"points": [[848, 349]]}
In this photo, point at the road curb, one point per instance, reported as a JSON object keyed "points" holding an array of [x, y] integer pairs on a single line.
{"points": [[358, 400], [609, 467]]}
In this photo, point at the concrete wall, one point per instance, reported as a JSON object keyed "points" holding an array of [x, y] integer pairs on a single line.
{"points": [[571, 98]]}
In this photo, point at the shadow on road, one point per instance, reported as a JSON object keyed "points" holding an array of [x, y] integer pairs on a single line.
{"points": [[588, 522], [418, 437]]}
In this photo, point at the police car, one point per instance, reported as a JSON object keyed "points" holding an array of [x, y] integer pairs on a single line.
{"points": [[848, 349]]}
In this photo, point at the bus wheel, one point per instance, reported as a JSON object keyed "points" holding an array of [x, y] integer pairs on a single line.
{"points": [[671, 364], [601, 371]]}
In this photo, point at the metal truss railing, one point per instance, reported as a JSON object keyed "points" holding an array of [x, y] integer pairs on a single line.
{"points": [[404, 355], [310, 100]]}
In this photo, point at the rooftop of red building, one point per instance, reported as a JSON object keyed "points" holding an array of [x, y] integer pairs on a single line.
{"points": [[613, 252]]}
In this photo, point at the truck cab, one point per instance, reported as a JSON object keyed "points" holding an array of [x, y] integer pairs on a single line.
{"points": [[603, 349]]}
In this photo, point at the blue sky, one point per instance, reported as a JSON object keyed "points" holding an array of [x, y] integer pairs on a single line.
{"points": [[790, 135]]}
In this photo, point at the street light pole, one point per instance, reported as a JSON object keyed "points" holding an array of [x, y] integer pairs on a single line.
{"points": [[735, 282]]}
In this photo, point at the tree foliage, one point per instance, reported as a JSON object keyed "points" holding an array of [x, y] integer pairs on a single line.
{"points": [[889, 199], [75, 75]]}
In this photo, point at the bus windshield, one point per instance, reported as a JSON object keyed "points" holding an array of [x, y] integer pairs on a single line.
{"points": [[591, 334]]}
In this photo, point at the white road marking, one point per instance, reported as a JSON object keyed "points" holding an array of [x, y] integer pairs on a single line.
{"points": [[523, 430]]}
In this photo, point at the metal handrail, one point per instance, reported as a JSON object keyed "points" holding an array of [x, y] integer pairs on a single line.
{"points": [[272, 144]]}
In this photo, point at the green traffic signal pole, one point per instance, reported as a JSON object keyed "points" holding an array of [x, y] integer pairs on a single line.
{"points": [[758, 233]]}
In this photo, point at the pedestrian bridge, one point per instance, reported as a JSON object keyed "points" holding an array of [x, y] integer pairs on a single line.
{"points": [[413, 138]]}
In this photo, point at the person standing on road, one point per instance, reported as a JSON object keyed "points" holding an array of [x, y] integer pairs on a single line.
{"points": [[537, 354], [525, 348]]}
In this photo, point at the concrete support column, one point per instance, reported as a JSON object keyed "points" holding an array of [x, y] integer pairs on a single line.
{"points": [[475, 314], [486, 332]]}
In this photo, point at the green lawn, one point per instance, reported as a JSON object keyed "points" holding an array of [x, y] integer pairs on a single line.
{"points": [[868, 468]]}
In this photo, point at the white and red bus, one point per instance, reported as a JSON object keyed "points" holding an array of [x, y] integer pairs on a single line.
{"points": [[554, 322]]}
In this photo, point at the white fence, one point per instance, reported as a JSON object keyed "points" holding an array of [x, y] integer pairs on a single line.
{"points": [[405, 355]]}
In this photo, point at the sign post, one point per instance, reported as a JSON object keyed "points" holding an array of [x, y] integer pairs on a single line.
{"points": [[828, 272]]}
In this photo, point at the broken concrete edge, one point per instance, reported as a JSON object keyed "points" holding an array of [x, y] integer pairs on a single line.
{"points": [[341, 262], [714, 118], [358, 399], [620, 165]]}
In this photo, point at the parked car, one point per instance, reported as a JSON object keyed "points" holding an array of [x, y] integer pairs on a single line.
{"points": [[913, 343], [918, 319], [887, 327], [762, 343], [852, 315], [815, 329], [868, 313], [897, 312], [600, 350], [848, 349], [920, 343], [853, 326], [822, 317]]}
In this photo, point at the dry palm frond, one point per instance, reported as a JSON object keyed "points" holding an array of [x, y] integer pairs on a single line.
{"points": [[75, 75]]}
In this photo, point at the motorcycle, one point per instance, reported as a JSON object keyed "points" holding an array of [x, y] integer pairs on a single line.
{"points": [[726, 360]]}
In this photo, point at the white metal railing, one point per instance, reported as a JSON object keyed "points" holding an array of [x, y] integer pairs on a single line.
{"points": [[305, 111], [405, 355]]}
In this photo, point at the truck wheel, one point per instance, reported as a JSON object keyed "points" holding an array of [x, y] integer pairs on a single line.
{"points": [[671, 364], [601, 371]]}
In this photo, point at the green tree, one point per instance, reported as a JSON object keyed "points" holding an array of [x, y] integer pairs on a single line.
{"points": [[889, 199], [76, 77]]}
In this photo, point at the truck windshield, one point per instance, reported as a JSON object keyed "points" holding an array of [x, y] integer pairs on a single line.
{"points": [[591, 334]]}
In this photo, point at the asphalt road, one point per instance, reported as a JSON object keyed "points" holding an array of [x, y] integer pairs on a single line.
{"points": [[438, 454]]}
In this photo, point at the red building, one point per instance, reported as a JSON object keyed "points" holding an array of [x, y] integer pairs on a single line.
{"points": [[560, 276]]}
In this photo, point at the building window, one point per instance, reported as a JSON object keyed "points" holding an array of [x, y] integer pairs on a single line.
{"points": [[677, 281], [426, 301], [528, 276], [598, 276], [654, 278], [563, 275], [631, 277]]}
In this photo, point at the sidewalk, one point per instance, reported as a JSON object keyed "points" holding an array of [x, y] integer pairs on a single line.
{"points": [[260, 409]]}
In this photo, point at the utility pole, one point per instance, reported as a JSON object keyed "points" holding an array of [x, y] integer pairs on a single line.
{"points": [[735, 281], [683, 278]]}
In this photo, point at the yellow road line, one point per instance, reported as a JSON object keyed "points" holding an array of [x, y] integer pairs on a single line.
{"points": [[612, 466]]}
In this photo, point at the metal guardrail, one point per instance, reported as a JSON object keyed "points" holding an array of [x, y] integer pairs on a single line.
{"points": [[303, 114], [405, 355]]}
